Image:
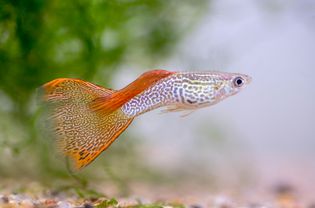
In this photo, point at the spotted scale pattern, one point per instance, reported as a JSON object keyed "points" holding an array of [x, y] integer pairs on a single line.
{"points": [[182, 91], [81, 133]]}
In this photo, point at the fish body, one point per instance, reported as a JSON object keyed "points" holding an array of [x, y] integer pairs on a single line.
{"points": [[186, 91], [87, 118]]}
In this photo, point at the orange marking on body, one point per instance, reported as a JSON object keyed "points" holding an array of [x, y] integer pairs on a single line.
{"points": [[114, 101]]}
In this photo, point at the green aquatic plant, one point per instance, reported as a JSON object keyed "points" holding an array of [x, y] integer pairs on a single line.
{"points": [[42, 40]]}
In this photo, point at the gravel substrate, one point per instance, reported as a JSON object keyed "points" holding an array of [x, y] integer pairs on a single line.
{"points": [[24, 201]]}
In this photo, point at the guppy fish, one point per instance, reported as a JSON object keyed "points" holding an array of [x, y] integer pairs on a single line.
{"points": [[87, 118]]}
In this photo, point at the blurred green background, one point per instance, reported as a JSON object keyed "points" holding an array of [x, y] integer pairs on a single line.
{"points": [[42, 40]]}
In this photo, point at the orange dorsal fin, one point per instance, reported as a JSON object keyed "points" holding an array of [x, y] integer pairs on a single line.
{"points": [[80, 134], [112, 102]]}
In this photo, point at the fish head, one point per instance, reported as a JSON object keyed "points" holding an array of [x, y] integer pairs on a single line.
{"points": [[202, 89], [229, 84]]}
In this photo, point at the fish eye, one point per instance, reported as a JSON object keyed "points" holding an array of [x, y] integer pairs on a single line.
{"points": [[238, 82]]}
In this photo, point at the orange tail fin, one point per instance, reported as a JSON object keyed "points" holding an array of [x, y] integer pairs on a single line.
{"points": [[110, 103], [81, 134]]}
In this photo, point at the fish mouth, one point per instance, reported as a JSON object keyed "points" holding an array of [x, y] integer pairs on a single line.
{"points": [[248, 79]]}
